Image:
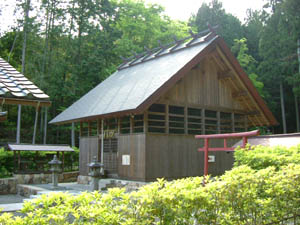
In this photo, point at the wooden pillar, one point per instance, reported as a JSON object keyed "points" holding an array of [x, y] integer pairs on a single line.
{"points": [[167, 118], [98, 127], [206, 146], [42, 122], [35, 123], [119, 126], [185, 120], [45, 126], [63, 161], [146, 122], [73, 135], [102, 141], [89, 128], [80, 132], [19, 124], [218, 122], [203, 121], [232, 123], [131, 117]]}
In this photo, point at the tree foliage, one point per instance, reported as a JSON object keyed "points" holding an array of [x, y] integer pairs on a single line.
{"points": [[73, 45]]}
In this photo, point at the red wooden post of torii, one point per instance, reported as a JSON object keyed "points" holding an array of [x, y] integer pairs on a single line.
{"points": [[206, 148]]}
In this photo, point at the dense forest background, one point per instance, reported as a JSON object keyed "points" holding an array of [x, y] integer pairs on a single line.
{"points": [[67, 47]]}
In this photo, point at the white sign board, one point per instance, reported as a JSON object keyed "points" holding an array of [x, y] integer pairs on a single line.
{"points": [[211, 158], [125, 160]]}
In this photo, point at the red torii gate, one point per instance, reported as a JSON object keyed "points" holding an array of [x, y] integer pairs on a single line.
{"points": [[206, 148]]}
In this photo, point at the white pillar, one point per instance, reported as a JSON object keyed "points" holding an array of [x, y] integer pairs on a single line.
{"points": [[102, 141], [35, 125], [19, 124], [73, 135], [45, 126]]}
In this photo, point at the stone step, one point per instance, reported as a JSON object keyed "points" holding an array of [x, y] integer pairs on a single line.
{"points": [[12, 207]]}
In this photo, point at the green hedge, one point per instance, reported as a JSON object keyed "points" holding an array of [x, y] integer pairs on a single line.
{"points": [[7, 160], [260, 157], [241, 196]]}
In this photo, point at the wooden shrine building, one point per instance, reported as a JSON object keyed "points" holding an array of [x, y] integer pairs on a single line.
{"points": [[149, 110]]}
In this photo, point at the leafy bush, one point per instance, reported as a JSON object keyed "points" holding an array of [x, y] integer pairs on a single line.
{"points": [[260, 157], [241, 196], [6, 163], [7, 160]]}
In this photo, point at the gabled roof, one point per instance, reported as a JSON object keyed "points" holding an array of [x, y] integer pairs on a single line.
{"points": [[16, 88], [141, 80]]}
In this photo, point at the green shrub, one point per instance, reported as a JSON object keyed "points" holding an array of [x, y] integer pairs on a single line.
{"points": [[6, 163], [7, 160], [240, 196], [260, 157]]}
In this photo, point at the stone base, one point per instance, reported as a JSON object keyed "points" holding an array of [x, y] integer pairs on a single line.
{"points": [[8, 186], [83, 179], [27, 190], [45, 178]]}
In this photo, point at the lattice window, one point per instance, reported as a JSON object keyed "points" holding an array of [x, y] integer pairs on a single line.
{"points": [[210, 122], [176, 119], [194, 121], [125, 125], [157, 118], [84, 129], [93, 128], [138, 123], [111, 124], [110, 145], [239, 122], [226, 122]]}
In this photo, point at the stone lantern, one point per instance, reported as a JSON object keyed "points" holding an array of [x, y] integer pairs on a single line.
{"points": [[55, 169], [96, 171]]}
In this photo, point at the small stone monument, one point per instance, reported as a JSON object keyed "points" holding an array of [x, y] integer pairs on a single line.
{"points": [[55, 169], [96, 171]]}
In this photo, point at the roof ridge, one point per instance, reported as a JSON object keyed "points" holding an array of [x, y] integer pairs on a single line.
{"points": [[169, 47]]}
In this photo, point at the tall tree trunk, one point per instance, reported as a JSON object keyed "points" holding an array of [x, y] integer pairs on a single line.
{"points": [[282, 108], [12, 47], [25, 30], [43, 74]]}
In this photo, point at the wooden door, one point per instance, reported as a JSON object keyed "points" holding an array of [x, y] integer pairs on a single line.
{"points": [[111, 155]]}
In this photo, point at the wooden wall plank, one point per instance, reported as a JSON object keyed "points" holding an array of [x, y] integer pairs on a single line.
{"points": [[133, 145], [201, 86], [175, 156]]}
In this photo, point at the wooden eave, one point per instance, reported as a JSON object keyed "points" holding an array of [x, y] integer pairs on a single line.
{"points": [[29, 102], [261, 105]]}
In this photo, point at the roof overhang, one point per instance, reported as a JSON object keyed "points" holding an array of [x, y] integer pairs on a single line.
{"points": [[246, 81], [20, 101], [45, 148]]}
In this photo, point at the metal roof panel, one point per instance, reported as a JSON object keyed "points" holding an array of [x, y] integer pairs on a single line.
{"points": [[129, 87]]}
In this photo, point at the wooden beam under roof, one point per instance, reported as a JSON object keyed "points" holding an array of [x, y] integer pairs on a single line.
{"points": [[225, 75], [16, 101], [233, 64], [251, 98], [241, 93]]}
